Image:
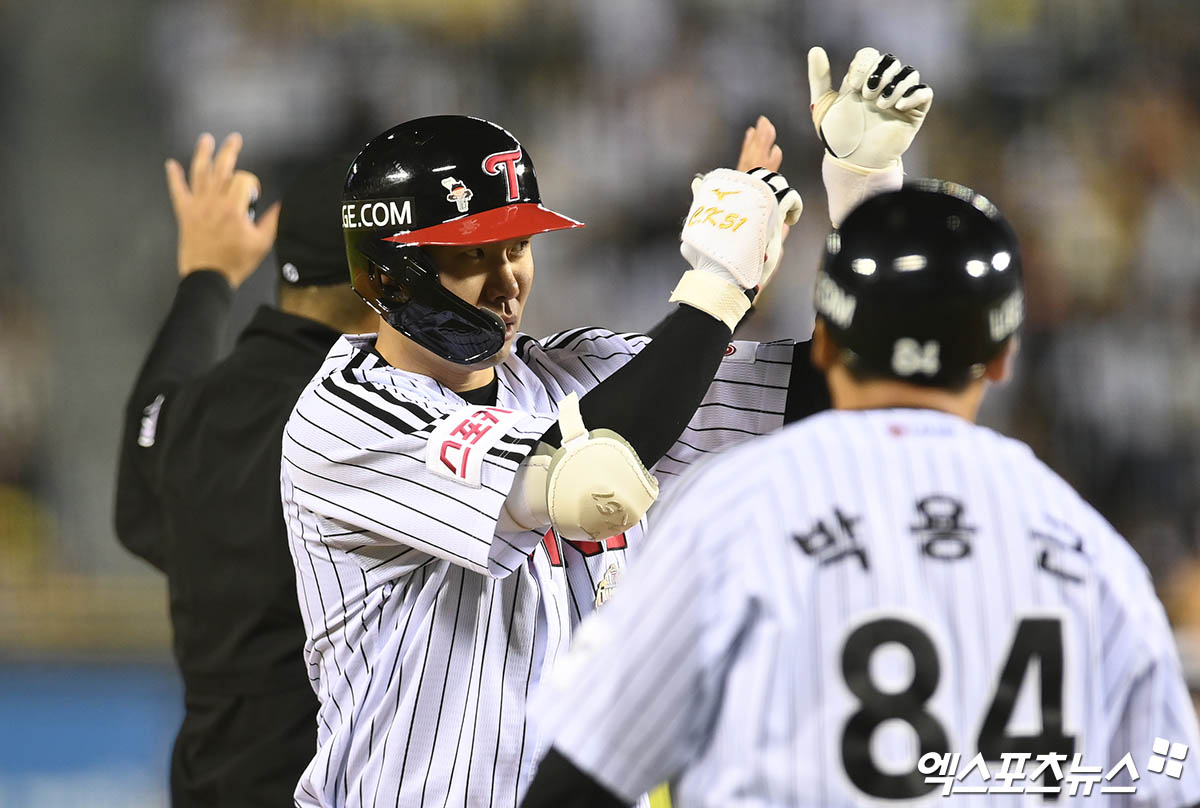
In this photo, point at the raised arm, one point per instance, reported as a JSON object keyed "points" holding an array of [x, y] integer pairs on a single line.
{"points": [[220, 246], [759, 150], [732, 238], [866, 125]]}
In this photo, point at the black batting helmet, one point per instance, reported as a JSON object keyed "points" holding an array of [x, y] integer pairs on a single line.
{"points": [[446, 179], [922, 284]]}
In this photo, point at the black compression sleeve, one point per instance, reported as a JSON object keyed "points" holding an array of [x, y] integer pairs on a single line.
{"points": [[651, 399], [186, 345], [190, 337], [560, 784], [807, 391]]}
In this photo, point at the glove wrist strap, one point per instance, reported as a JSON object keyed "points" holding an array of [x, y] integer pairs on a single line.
{"points": [[820, 107], [712, 295], [570, 419], [847, 184], [863, 170]]}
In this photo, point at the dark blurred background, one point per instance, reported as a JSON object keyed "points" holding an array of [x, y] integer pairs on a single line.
{"points": [[1079, 117]]}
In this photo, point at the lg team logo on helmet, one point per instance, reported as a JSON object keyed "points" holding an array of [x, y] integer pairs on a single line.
{"points": [[459, 193], [505, 161]]}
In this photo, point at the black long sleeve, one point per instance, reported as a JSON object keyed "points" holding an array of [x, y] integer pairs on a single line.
{"points": [[650, 400], [560, 784], [807, 392], [187, 345]]}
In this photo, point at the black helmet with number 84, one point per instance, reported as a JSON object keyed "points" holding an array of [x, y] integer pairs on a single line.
{"points": [[446, 179], [922, 284]]}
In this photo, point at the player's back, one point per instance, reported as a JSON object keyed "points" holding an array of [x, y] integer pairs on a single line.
{"points": [[912, 583]]}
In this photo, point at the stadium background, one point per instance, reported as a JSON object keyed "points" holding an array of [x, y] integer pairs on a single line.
{"points": [[1079, 117]]}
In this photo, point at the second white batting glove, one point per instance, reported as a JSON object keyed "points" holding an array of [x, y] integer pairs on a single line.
{"points": [[873, 118], [733, 238], [866, 125]]}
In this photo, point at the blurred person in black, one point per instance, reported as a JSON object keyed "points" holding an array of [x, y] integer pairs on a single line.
{"points": [[198, 482]]}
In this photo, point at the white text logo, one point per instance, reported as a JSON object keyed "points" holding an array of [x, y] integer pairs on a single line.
{"points": [[834, 302], [383, 213], [910, 356], [1005, 318], [1047, 773]]}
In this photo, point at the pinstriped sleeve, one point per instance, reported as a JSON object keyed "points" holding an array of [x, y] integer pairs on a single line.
{"points": [[578, 360], [409, 471], [1154, 713], [747, 398]]}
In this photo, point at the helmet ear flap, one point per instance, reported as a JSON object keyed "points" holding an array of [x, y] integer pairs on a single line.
{"points": [[365, 280], [394, 291], [386, 287], [403, 286]]}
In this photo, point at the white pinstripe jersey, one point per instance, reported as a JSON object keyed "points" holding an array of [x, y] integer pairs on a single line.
{"points": [[426, 629], [819, 607]]}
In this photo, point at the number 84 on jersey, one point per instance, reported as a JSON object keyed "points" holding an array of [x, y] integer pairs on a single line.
{"points": [[892, 668]]}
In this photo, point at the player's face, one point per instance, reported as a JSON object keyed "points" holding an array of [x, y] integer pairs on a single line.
{"points": [[494, 276]]}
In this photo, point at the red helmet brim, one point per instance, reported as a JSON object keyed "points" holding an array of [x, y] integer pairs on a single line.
{"points": [[497, 224]]}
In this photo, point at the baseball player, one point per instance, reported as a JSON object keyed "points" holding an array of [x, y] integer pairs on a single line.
{"points": [[460, 495], [884, 603]]}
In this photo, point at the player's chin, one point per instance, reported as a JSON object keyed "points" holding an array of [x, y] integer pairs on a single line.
{"points": [[498, 357], [505, 350], [510, 337]]}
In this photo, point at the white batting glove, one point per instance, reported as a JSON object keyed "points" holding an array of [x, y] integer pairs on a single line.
{"points": [[866, 126], [873, 118], [733, 238]]}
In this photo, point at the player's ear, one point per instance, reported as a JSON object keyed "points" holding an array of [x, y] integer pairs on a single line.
{"points": [[999, 369], [824, 351]]}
